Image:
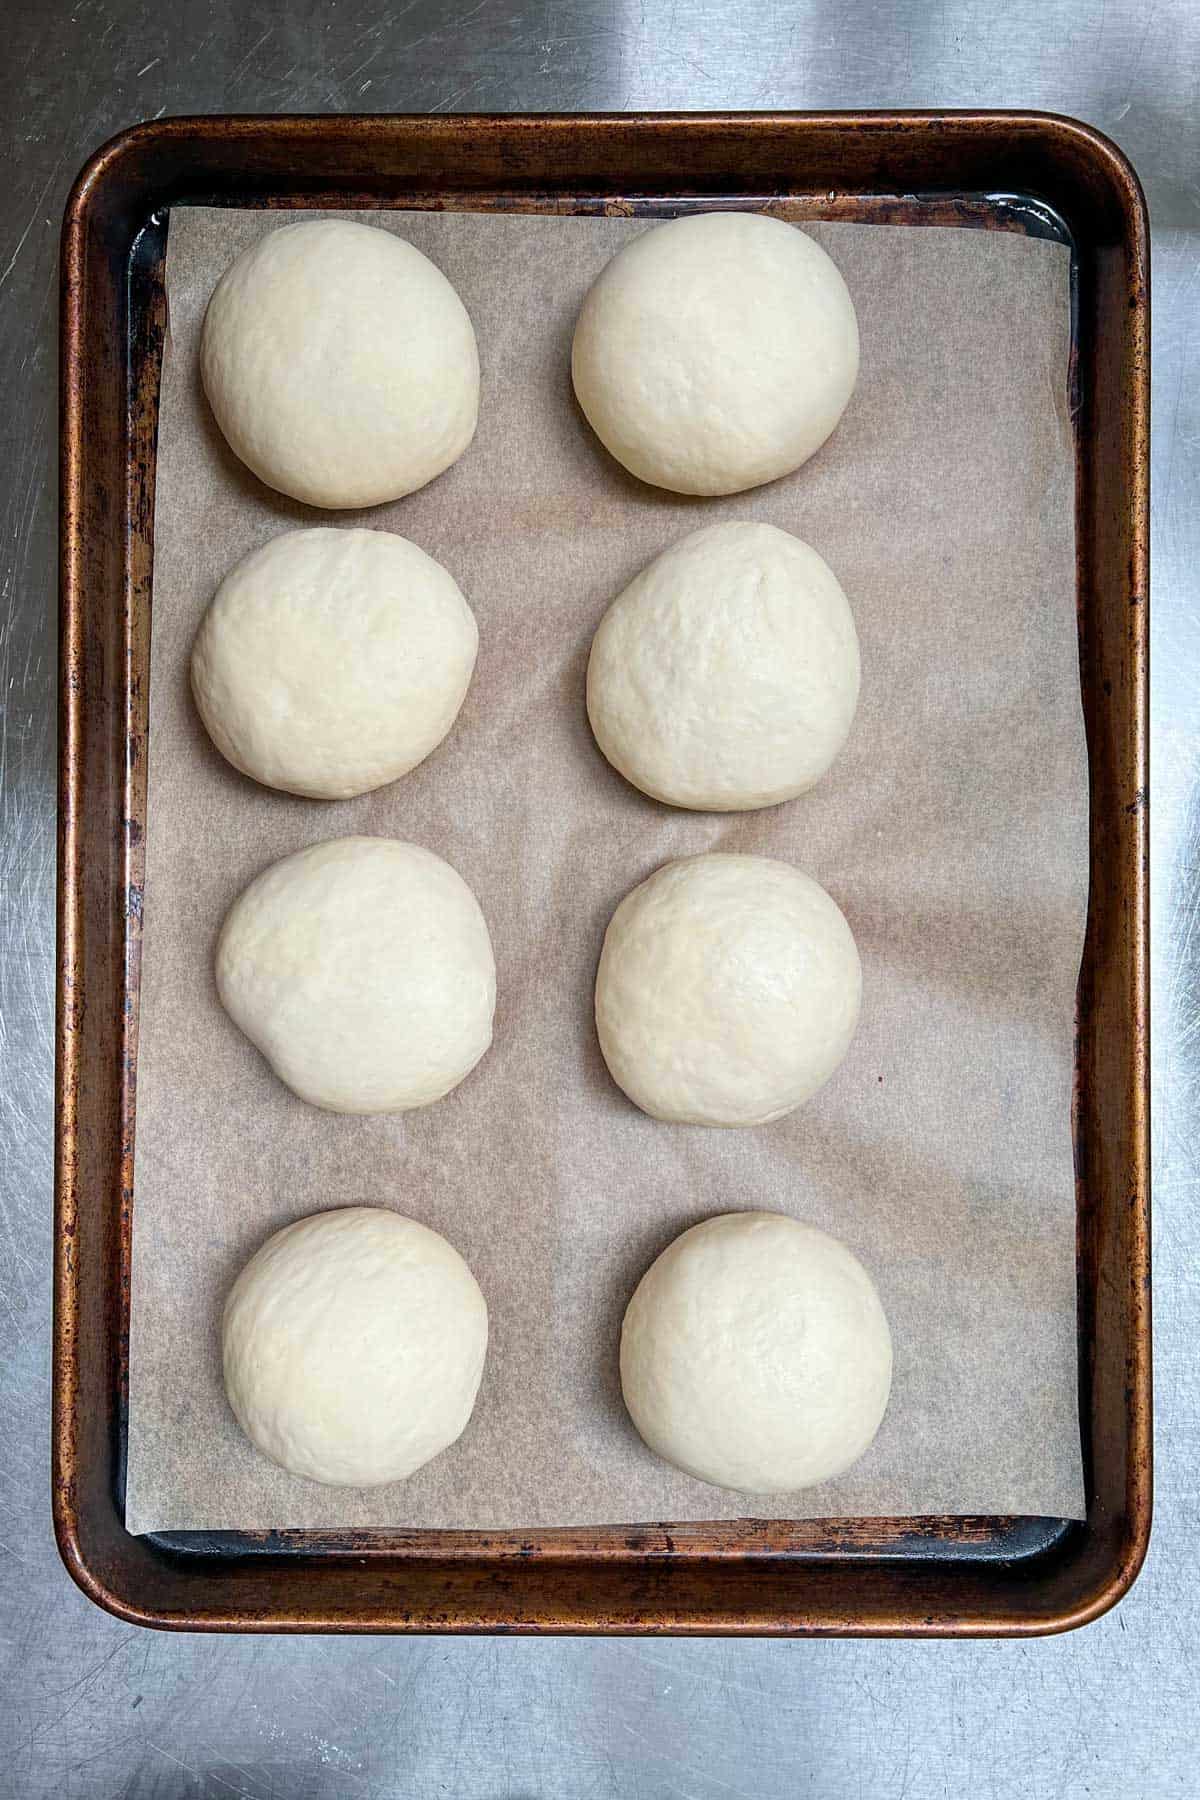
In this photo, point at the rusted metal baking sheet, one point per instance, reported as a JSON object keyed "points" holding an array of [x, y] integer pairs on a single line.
{"points": [[1009, 171]]}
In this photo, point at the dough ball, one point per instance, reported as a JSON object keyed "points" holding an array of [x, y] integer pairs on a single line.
{"points": [[353, 1344], [330, 662], [728, 991], [726, 675], [716, 352], [340, 363], [363, 971], [755, 1354]]}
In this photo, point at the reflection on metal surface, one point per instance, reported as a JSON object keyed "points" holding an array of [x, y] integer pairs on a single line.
{"points": [[94, 1708]]}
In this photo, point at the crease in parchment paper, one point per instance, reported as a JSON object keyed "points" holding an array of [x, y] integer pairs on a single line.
{"points": [[952, 830]]}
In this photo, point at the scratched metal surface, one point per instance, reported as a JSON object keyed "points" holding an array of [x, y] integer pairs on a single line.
{"points": [[89, 1707]]}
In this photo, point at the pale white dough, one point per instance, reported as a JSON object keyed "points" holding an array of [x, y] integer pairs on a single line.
{"points": [[363, 971], [755, 1354], [354, 1343], [340, 363], [726, 675], [728, 990], [332, 661], [716, 352]]}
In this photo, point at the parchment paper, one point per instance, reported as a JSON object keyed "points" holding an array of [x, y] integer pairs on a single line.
{"points": [[952, 830]]}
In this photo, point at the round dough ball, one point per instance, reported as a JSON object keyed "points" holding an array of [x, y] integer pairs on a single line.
{"points": [[755, 1354], [726, 675], [363, 971], [354, 1344], [340, 363], [330, 662], [715, 353], [728, 991]]}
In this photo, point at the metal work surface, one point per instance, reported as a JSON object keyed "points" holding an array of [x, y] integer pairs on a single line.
{"points": [[90, 1707]]}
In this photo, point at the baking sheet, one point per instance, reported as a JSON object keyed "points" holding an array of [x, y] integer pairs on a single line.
{"points": [[952, 830]]}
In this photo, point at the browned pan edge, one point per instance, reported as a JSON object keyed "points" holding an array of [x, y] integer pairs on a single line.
{"points": [[862, 1576]]}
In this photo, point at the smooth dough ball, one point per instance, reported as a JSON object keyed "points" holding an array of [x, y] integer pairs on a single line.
{"points": [[363, 971], [330, 662], [340, 363], [726, 675], [354, 1344], [755, 1354], [728, 991], [715, 353]]}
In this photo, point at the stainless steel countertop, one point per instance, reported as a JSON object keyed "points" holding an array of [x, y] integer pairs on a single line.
{"points": [[89, 1707]]}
